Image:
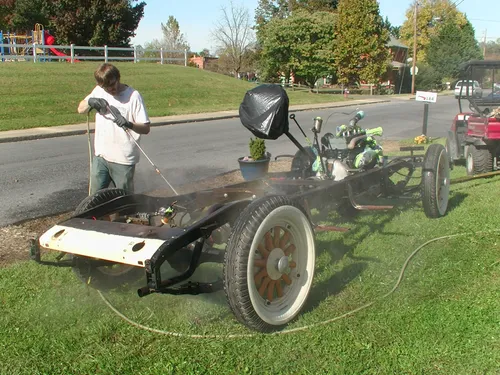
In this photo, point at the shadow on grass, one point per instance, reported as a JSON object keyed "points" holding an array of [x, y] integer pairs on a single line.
{"points": [[360, 229], [456, 200]]}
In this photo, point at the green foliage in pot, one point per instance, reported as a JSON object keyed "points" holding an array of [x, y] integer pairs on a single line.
{"points": [[257, 148]]}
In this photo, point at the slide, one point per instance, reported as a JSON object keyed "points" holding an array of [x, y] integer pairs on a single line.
{"points": [[49, 40]]}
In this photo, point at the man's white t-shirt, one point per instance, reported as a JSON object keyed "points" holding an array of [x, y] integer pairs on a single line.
{"points": [[110, 141]]}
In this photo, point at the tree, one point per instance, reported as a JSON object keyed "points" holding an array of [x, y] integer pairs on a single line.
{"points": [[302, 44], [94, 22], [6, 11], [173, 39], [393, 30], [452, 46], [82, 22], [269, 9], [233, 36], [316, 5], [360, 52], [21, 15], [431, 15], [491, 49], [205, 52]]}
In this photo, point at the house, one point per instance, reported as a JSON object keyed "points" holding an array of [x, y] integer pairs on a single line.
{"points": [[399, 54], [396, 68], [202, 61]]}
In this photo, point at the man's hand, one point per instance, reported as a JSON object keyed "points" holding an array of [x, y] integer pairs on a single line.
{"points": [[119, 120], [100, 105]]}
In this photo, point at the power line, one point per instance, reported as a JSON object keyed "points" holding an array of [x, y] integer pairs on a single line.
{"points": [[457, 4], [478, 19]]}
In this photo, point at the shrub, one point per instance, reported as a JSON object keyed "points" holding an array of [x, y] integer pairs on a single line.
{"points": [[257, 148]]}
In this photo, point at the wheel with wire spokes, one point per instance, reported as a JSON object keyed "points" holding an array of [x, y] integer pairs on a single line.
{"points": [[269, 263]]}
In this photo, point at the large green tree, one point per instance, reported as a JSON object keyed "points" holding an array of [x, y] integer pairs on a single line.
{"points": [[361, 51], [453, 45], [302, 44], [431, 16], [269, 9], [316, 5], [21, 15], [95, 22], [82, 22]]}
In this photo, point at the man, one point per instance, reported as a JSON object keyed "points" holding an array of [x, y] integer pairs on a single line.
{"points": [[121, 114]]}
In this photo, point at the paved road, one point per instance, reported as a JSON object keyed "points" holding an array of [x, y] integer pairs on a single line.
{"points": [[48, 176]]}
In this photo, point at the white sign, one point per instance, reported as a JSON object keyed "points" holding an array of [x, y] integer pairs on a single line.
{"points": [[424, 96], [416, 70]]}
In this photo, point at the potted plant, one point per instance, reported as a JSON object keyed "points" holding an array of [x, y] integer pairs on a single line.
{"points": [[257, 164]]}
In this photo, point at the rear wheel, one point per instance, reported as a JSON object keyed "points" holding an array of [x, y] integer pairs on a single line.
{"points": [[436, 181], [478, 160], [269, 263], [103, 277]]}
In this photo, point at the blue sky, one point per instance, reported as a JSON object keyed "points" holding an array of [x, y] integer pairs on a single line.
{"points": [[197, 17]]}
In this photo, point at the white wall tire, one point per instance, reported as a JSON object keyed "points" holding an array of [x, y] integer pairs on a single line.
{"points": [[269, 264]]}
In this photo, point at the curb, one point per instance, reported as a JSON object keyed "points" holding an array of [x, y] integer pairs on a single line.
{"points": [[79, 129]]}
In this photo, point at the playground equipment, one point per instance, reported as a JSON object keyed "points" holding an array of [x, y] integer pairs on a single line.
{"points": [[22, 45]]}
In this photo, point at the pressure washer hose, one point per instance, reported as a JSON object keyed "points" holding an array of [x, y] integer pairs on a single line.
{"points": [[288, 331], [90, 150], [298, 329]]}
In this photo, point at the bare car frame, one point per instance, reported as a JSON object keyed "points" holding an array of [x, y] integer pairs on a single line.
{"points": [[262, 231]]}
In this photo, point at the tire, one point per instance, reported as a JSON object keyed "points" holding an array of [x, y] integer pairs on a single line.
{"points": [[103, 277], [478, 160], [436, 181], [100, 197], [449, 152], [255, 261]]}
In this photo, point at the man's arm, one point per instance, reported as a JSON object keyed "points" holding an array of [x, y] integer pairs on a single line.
{"points": [[83, 107], [138, 127], [141, 128]]}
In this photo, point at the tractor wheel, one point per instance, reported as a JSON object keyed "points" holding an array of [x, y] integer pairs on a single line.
{"points": [[478, 160], [269, 263], [436, 181], [103, 277]]}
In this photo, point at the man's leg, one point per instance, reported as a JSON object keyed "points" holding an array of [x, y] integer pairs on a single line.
{"points": [[100, 176], [123, 176]]}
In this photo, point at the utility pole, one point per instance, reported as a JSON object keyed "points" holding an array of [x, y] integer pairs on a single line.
{"points": [[484, 44], [414, 61]]}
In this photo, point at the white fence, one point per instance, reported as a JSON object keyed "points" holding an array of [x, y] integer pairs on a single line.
{"points": [[40, 53]]}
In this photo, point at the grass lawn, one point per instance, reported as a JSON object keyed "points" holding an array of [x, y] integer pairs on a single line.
{"points": [[443, 319], [47, 94]]}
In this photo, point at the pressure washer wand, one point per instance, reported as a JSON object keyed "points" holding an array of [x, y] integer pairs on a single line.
{"points": [[144, 153], [153, 164]]}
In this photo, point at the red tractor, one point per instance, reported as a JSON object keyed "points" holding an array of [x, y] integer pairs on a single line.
{"points": [[474, 137]]}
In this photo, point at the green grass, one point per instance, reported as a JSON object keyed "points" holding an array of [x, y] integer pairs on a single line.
{"points": [[47, 94], [443, 319]]}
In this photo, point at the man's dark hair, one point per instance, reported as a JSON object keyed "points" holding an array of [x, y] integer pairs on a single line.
{"points": [[107, 75]]}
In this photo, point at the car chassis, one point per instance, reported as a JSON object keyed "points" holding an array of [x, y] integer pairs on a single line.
{"points": [[265, 224]]}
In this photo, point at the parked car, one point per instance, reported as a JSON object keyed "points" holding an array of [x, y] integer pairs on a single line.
{"points": [[465, 88]]}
